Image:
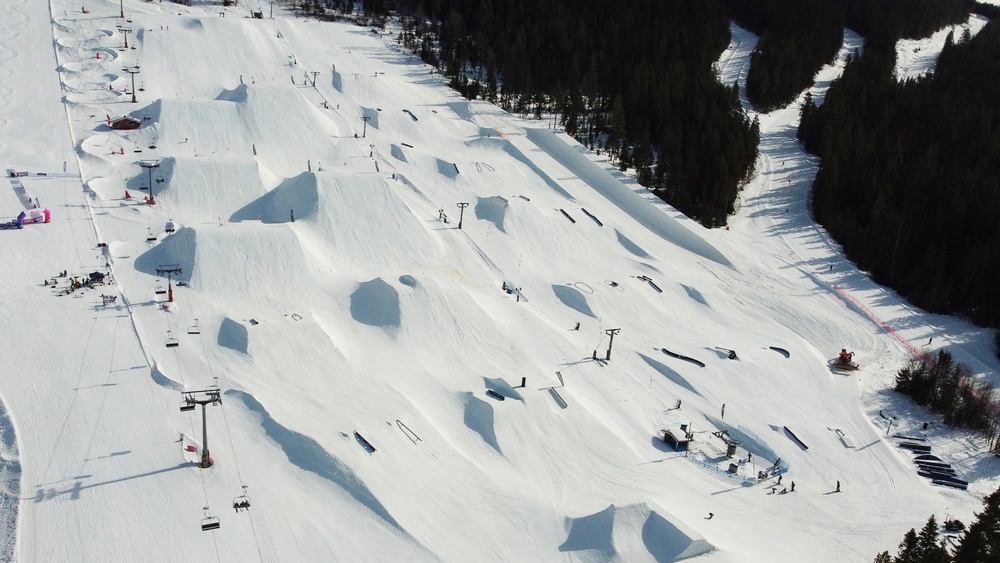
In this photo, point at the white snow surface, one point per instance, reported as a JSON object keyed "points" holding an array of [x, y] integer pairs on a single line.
{"points": [[918, 57], [353, 347]]}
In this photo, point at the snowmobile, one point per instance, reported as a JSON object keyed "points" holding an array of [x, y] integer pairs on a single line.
{"points": [[845, 361]]}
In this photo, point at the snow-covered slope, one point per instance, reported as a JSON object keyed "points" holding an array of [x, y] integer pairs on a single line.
{"points": [[354, 330]]}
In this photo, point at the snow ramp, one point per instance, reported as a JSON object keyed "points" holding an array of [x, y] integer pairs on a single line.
{"points": [[632, 532], [245, 122], [625, 199], [360, 220], [200, 190]]}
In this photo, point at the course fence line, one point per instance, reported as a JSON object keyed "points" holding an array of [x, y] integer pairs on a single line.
{"points": [[882, 324]]}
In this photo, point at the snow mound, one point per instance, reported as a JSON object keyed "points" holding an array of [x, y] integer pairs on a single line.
{"points": [[397, 152], [630, 246], [632, 533], [307, 454], [625, 199], [268, 264], [502, 387], [448, 169], [242, 122], [362, 221], [408, 280], [294, 198], [573, 298], [372, 115], [234, 335], [176, 249], [479, 418], [204, 189], [492, 209], [376, 303], [669, 373]]}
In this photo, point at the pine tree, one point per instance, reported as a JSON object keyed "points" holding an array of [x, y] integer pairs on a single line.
{"points": [[929, 549], [907, 548], [981, 541]]}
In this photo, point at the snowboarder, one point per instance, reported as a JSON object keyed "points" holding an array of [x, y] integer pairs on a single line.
{"points": [[577, 327], [793, 486], [779, 479], [838, 486]]}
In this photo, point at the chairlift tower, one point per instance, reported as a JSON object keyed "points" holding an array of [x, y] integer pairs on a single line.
{"points": [[611, 332], [204, 397], [125, 31], [149, 165], [461, 213], [133, 71], [169, 270], [364, 131]]}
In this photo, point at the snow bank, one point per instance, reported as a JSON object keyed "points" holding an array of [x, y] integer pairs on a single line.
{"points": [[625, 199]]}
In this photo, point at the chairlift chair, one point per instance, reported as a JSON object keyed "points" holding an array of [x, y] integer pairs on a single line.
{"points": [[171, 341], [242, 502], [209, 522], [194, 329], [186, 406], [160, 290], [150, 237]]}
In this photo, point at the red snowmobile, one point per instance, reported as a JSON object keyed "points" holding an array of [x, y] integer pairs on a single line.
{"points": [[845, 360]]}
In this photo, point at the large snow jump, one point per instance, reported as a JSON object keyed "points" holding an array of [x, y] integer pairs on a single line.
{"points": [[624, 198]]}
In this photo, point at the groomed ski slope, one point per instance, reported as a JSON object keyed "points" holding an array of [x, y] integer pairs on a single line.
{"points": [[353, 347]]}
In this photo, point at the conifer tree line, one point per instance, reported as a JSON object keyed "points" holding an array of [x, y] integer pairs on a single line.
{"points": [[634, 79], [980, 543], [949, 388], [799, 37], [909, 180]]}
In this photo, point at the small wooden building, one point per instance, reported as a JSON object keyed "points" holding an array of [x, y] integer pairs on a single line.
{"points": [[126, 123], [676, 439]]}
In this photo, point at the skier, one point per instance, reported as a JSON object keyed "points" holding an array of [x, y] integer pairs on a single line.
{"points": [[793, 486], [838, 486]]}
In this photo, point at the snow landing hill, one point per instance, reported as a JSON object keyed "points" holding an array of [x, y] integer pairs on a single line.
{"points": [[361, 350]]}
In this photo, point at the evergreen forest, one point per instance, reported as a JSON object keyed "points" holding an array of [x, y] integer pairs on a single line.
{"points": [[908, 181], [979, 543], [634, 79]]}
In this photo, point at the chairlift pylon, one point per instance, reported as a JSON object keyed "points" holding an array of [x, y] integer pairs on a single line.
{"points": [[242, 502], [209, 522], [171, 341]]}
